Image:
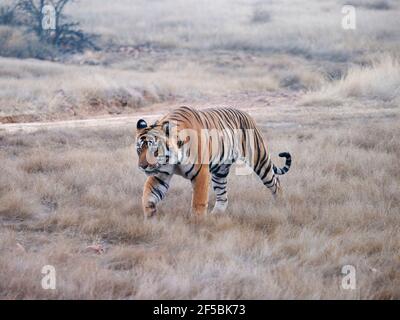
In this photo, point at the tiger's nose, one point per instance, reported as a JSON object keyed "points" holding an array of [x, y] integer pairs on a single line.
{"points": [[143, 165]]}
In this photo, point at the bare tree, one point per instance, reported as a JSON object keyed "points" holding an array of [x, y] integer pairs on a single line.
{"points": [[8, 15], [66, 34]]}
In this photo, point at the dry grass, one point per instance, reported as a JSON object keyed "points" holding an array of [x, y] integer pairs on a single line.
{"points": [[56, 90], [62, 191], [310, 28], [379, 81]]}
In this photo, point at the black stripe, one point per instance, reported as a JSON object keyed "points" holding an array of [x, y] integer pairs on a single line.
{"points": [[267, 170], [198, 171], [157, 193], [218, 182], [269, 181], [163, 183], [214, 167], [220, 188], [163, 172], [221, 175], [187, 172]]}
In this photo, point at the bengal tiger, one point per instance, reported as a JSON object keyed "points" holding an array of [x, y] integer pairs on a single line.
{"points": [[201, 145]]}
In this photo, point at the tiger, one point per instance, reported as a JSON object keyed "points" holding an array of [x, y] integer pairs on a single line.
{"points": [[201, 146]]}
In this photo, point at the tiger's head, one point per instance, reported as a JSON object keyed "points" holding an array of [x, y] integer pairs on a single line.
{"points": [[161, 144], [152, 146]]}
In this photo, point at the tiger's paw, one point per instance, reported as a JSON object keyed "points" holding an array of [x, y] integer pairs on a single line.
{"points": [[219, 207], [149, 210], [279, 191], [199, 210]]}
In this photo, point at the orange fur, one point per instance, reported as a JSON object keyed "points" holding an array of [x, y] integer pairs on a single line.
{"points": [[208, 163]]}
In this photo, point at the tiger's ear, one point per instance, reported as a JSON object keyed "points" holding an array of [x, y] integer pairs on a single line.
{"points": [[141, 124]]}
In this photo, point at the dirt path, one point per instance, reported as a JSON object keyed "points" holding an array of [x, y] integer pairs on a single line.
{"points": [[114, 121], [255, 104], [269, 110], [105, 122]]}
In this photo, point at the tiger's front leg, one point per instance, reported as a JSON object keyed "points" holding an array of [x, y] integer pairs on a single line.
{"points": [[200, 191], [155, 189]]}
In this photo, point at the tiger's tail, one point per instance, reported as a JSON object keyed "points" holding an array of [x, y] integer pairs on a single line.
{"points": [[286, 167]]}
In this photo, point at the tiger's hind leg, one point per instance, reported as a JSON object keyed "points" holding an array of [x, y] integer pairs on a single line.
{"points": [[219, 183], [269, 179]]}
